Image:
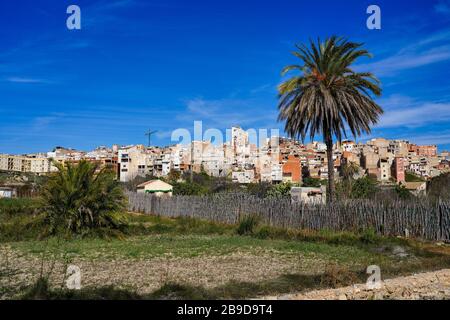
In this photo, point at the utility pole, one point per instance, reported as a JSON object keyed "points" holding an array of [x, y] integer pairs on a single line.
{"points": [[149, 134]]}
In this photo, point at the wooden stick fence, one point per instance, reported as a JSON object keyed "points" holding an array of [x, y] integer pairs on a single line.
{"points": [[423, 219]]}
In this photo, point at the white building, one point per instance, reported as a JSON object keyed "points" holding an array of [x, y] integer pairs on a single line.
{"points": [[133, 161], [308, 195], [277, 172], [244, 176]]}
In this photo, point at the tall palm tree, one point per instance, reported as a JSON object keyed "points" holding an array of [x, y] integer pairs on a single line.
{"points": [[328, 97]]}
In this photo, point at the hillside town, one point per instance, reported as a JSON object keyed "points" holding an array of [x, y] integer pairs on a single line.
{"points": [[276, 160]]}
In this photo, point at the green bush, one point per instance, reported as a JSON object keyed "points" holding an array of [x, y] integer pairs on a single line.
{"points": [[189, 189], [369, 236], [280, 190], [364, 188], [402, 192], [311, 182], [247, 225]]}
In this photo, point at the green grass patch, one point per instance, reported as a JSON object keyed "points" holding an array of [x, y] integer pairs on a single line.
{"points": [[17, 206], [151, 246], [147, 225]]}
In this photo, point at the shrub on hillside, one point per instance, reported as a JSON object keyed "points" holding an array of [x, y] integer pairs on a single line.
{"points": [[364, 188], [189, 189], [311, 182], [280, 190], [402, 192]]}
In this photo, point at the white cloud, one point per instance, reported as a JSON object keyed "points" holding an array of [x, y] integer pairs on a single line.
{"points": [[26, 80], [43, 122], [224, 113], [403, 111], [432, 49], [407, 60], [268, 87], [431, 139], [396, 101]]}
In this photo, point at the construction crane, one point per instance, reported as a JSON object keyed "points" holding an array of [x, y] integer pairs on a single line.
{"points": [[149, 134]]}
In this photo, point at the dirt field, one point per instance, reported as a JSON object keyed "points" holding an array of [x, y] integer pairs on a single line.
{"points": [[176, 258]]}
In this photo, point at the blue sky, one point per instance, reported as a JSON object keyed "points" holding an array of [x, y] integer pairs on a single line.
{"points": [[161, 64]]}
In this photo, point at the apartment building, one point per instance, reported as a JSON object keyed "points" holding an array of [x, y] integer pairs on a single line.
{"points": [[385, 170], [24, 164], [425, 151], [399, 148], [134, 161]]}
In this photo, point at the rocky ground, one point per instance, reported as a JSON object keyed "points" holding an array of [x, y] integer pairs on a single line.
{"points": [[423, 286]]}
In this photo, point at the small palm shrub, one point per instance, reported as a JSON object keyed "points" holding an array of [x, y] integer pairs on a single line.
{"points": [[79, 200]]}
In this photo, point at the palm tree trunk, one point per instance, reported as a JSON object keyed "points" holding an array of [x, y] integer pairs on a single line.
{"points": [[330, 189]]}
